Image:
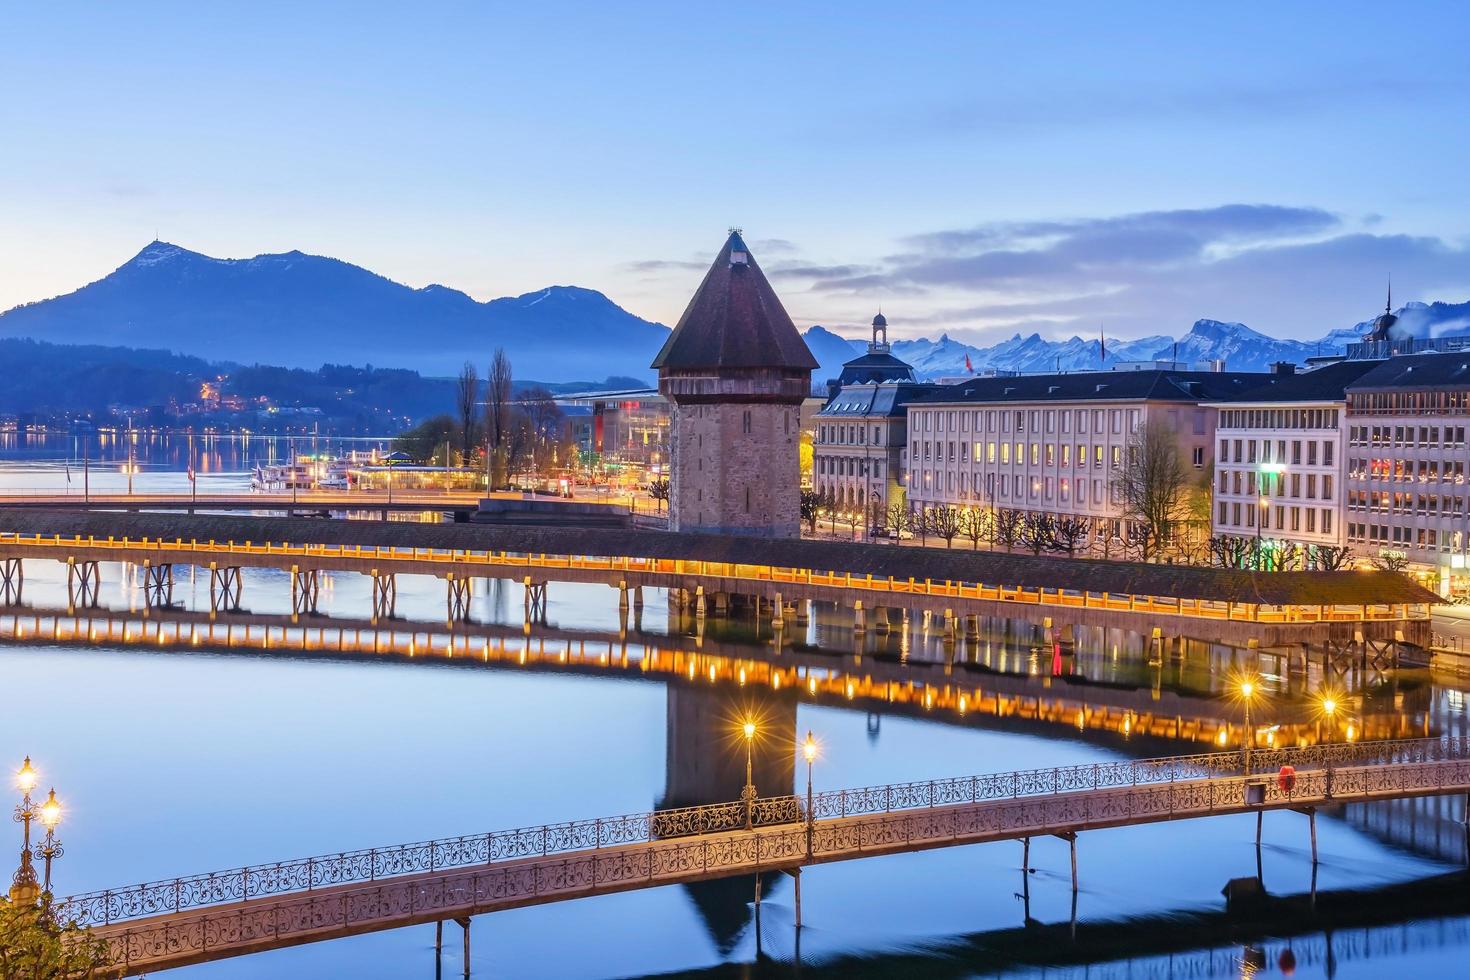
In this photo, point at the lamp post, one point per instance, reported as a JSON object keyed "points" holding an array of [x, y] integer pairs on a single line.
{"points": [[748, 793], [1265, 510], [51, 847], [1247, 691], [1329, 711], [809, 749], [23, 889]]}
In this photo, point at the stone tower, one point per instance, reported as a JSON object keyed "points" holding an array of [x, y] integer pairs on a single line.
{"points": [[735, 371]]}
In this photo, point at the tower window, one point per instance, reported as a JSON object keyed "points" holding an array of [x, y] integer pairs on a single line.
{"points": [[745, 422]]}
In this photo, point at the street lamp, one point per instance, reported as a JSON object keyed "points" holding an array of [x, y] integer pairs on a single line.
{"points": [[1329, 711], [51, 847], [1247, 692], [1265, 505], [809, 749], [748, 793], [23, 889]]}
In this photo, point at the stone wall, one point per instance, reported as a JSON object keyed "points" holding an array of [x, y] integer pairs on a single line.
{"points": [[736, 469]]}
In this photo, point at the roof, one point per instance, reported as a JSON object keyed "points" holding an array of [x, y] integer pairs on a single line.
{"points": [[868, 400], [1325, 384], [875, 366], [880, 561], [1434, 370], [1180, 386], [735, 321]]}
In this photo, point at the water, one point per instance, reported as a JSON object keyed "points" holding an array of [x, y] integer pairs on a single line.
{"points": [[177, 760]]}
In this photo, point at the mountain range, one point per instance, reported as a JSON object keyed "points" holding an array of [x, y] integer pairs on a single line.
{"points": [[302, 310], [299, 310]]}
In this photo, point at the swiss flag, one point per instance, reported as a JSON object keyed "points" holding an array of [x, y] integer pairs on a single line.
{"points": [[968, 366]]}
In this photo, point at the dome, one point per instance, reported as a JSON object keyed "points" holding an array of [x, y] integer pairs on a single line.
{"points": [[880, 320], [1382, 325]]}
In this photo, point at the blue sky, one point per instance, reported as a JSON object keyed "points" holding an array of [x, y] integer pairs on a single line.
{"points": [[972, 167]]}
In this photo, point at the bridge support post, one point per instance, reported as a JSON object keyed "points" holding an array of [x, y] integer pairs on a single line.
{"points": [[778, 612], [224, 588], [83, 581], [880, 621], [158, 585], [623, 595], [859, 617], [464, 923], [457, 598], [701, 608], [305, 590], [972, 628], [1071, 838], [385, 595], [12, 577], [637, 598], [535, 601], [802, 612]]}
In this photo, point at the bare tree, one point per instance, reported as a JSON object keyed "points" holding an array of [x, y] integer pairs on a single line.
{"points": [[1391, 561], [466, 397], [497, 418], [1230, 551], [853, 517], [1068, 533], [1331, 558], [877, 517], [1006, 528], [975, 525], [546, 422], [1036, 531], [945, 521], [1280, 557], [1151, 488], [658, 489], [811, 507], [919, 521], [897, 520]]}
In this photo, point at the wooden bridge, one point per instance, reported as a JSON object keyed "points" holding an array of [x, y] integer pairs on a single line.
{"points": [[1334, 609], [175, 922], [300, 502]]}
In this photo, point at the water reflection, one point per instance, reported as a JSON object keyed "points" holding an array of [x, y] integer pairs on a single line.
{"points": [[485, 724]]}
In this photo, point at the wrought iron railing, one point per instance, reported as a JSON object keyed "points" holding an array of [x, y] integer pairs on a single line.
{"points": [[377, 864], [302, 917]]}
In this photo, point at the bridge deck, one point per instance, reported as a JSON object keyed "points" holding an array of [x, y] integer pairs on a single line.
{"points": [[1227, 620], [166, 924]]}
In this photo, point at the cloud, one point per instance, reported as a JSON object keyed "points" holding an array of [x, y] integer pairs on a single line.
{"points": [[772, 246], [797, 270], [1289, 271], [664, 265]]}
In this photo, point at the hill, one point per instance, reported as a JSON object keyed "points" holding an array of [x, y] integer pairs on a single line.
{"points": [[302, 310]]}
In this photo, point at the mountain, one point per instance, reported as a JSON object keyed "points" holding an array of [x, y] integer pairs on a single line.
{"points": [[306, 310]]}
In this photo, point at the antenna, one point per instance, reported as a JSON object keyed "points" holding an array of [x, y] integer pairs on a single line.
{"points": [[1388, 307]]}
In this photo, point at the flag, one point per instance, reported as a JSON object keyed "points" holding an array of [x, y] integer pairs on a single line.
{"points": [[1102, 346], [68, 474], [191, 472], [968, 366]]}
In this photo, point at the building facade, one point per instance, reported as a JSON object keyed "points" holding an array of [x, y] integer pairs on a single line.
{"points": [[1054, 444], [1280, 465], [736, 372], [857, 458], [1406, 498]]}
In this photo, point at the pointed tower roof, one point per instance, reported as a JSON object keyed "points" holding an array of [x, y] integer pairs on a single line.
{"points": [[735, 321]]}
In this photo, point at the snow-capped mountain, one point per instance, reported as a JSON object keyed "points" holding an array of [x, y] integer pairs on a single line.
{"points": [[303, 310]]}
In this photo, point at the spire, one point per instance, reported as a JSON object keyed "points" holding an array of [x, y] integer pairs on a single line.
{"points": [[1388, 307], [734, 321]]}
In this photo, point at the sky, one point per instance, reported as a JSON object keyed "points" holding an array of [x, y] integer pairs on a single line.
{"points": [[973, 168]]}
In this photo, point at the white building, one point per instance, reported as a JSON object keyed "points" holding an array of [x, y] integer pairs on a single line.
{"points": [[1279, 461], [1054, 443]]}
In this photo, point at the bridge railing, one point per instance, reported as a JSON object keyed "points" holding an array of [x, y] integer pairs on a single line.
{"points": [[304, 916], [374, 864]]}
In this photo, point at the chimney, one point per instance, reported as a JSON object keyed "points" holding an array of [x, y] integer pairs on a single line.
{"points": [[1283, 367]]}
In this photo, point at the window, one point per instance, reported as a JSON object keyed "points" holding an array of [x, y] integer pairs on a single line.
{"points": [[1198, 457]]}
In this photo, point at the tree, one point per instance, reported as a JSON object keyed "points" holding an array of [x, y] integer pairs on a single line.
{"points": [[424, 441], [466, 397], [811, 507], [1391, 561], [658, 489], [945, 521], [1230, 551], [1150, 487], [897, 520], [919, 521], [1068, 533], [1331, 558], [35, 947], [545, 423], [1280, 557], [877, 517], [1007, 528], [1036, 531], [853, 517], [975, 525], [497, 417]]}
